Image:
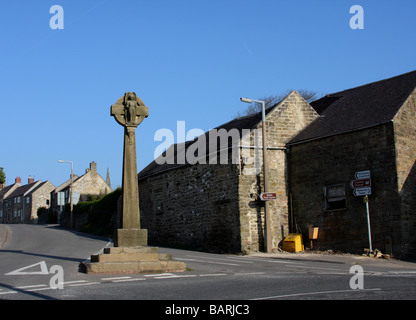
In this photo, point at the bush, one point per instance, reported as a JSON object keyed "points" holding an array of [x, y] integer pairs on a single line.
{"points": [[100, 214]]}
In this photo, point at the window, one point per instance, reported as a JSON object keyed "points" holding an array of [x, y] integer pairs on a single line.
{"points": [[27, 200], [335, 197]]}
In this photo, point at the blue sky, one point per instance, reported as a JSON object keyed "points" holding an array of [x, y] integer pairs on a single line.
{"points": [[188, 60]]}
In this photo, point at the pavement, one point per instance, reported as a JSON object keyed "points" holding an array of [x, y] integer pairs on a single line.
{"points": [[340, 258], [306, 255], [4, 233]]}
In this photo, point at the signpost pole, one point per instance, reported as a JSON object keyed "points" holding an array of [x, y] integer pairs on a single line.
{"points": [[368, 222], [362, 187]]}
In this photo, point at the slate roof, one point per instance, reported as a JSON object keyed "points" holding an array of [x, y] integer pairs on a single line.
{"points": [[5, 190], [358, 108], [246, 122], [22, 190]]}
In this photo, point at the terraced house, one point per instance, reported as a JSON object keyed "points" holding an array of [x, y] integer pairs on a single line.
{"points": [[314, 152], [19, 203]]}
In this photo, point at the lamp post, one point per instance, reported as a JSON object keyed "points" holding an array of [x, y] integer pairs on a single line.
{"points": [[71, 217], [267, 211]]}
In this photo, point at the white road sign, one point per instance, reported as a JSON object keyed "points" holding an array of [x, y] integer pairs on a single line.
{"points": [[359, 192], [362, 174]]}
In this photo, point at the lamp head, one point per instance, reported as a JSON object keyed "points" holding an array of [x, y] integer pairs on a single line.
{"points": [[247, 100]]}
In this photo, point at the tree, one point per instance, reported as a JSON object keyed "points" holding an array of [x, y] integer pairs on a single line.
{"points": [[2, 178], [270, 101]]}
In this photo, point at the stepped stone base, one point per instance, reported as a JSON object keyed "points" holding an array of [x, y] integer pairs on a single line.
{"points": [[132, 260]]}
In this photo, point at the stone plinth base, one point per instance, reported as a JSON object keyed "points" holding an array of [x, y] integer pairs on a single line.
{"points": [[130, 238], [132, 260]]}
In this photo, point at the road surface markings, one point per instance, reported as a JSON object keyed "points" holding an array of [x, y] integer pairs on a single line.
{"points": [[173, 276], [314, 293], [114, 278], [75, 281], [83, 284], [319, 268], [213, 262], [278, 261], [128, 280], [157, 275], [7, 292], [222, 259], [213, 275], [248, 273], [18, 272], [31, 286]]}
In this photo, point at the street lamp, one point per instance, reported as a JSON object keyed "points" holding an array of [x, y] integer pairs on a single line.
{"points": [[267, 212], [71, 217]]}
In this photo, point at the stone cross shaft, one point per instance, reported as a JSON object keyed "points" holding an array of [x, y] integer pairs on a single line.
{"points": [[129, 111]]}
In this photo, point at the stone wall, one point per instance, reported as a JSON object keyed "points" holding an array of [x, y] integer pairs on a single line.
{"points": [[283, 123], [39, 198], [405, 133], [333, 161], [216, 207], [194, 206]]}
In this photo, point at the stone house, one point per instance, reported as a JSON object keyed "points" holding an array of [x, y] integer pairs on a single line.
{"points": [[214, 205], [371, 127], [19, 203], [89, 184], [314, 151]]}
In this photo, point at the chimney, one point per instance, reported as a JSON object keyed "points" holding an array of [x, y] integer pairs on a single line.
{"points": [[18, 180], [93, 167], [30, 180]]}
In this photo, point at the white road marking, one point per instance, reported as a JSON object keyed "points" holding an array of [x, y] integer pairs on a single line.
{"points": [[314, 293], [32, 286], [75, 281], [177, 276], [114, 278], [222, 259], [8, 292], [83, 284], [43, 270], [158, 274], [213, 262], [128, 280], [248, 273]]}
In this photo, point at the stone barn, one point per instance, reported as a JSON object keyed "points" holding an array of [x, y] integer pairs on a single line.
{"points": [[188, 199]]}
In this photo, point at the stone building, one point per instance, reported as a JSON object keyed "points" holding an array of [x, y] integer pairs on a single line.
{"points": [[89, 184], [371, 127], [314, 151], [215, 206], [19, 203]]}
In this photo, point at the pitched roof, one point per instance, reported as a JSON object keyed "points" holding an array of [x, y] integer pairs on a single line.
{"points": [[65, 184], [5, 190], [23, 189], [240, 123], [358, 108]]}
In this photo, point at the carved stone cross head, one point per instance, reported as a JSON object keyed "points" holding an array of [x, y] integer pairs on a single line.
{"points": [[129, 111]]}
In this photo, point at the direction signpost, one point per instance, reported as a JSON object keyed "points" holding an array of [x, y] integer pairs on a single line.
{"points": [[362, 188], [266, 196]]}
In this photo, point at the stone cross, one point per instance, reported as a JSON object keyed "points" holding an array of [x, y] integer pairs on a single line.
{"points": [[129, 111]]}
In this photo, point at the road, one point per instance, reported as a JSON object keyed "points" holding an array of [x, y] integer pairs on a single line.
{"points": [[30, 252]]}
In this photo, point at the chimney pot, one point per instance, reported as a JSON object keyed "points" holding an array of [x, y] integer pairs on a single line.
{"points": [[18, 180], [30, 180]]}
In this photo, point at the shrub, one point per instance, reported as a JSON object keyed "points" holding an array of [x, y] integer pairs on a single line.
{"points": [[100, 213]]}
